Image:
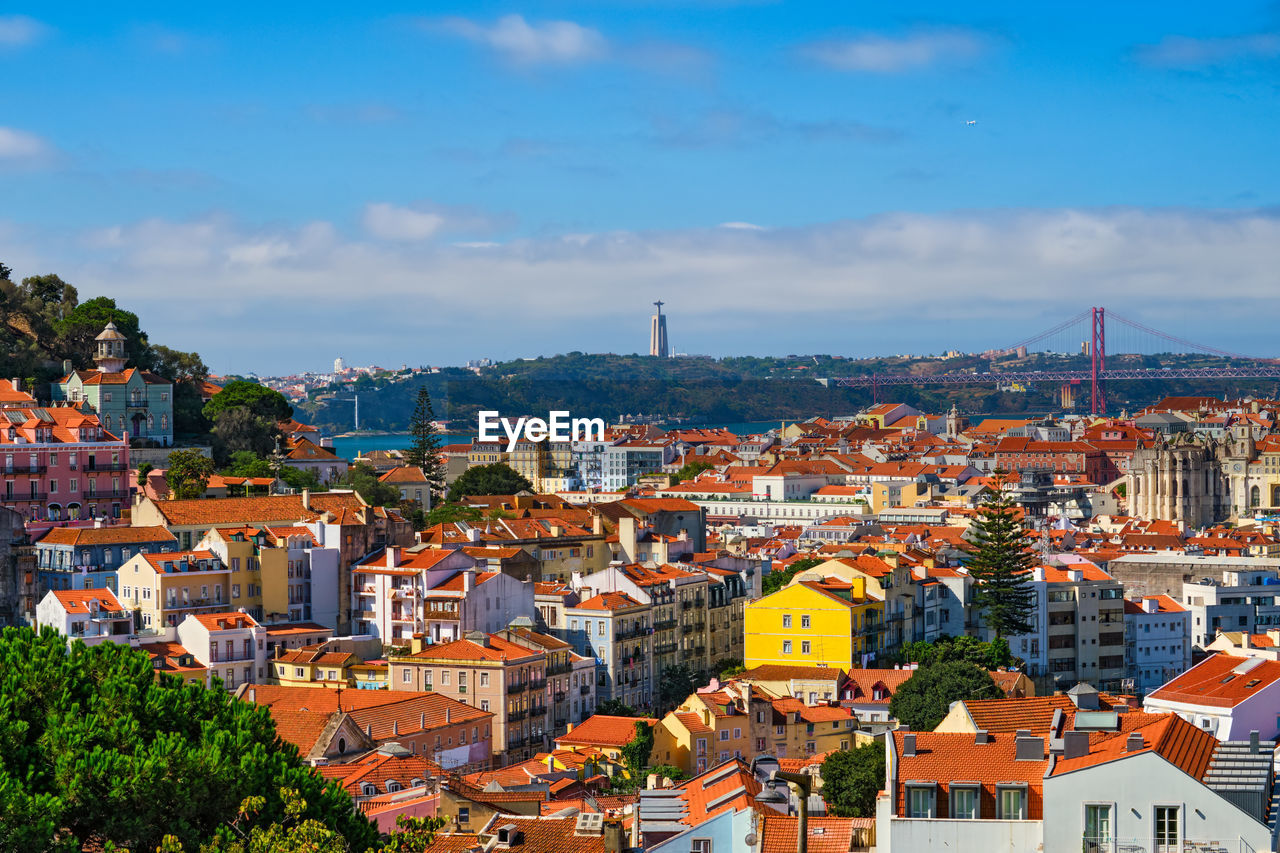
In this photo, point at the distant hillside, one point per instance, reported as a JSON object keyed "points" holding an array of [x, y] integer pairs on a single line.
{"points": [[731, 389]]}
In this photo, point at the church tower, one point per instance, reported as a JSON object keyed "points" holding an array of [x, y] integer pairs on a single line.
{"points": [[110, 354]]}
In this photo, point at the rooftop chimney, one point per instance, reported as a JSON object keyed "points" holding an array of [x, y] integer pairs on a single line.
{"points": [[253, 698], [1254, 745], [306, 499], [1134, 742], [1075, 744], [395, 727], [422, 722], [1029, 748], [448, 715], [1150, 605], [909, 745], [468, 579], [393, 556], [1075, 574]]}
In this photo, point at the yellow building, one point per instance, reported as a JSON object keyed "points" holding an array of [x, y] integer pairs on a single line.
{"points": [[829, 622], [313, 666], [164, 588]]}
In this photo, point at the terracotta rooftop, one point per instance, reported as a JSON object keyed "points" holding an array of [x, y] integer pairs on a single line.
{"points": [[604, 730], [90, 536], [1221, 681], [826, 834], [76, 601]]}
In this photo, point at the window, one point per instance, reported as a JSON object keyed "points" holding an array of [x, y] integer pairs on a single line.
{"points": [[919, 801], [405, 675], [724, 734], [484, 679], [804, 621], [786, 647], [1097, 826], [700, 845], [1011, 803], [964, 802], [804, 647], [786, 620], [464, 815], [1168, 828]]}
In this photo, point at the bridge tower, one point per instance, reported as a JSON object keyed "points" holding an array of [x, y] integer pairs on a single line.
{"points": [[1098, 356]]}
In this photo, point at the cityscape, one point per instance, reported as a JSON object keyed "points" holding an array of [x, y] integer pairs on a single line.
{"points": [[717, 427]]}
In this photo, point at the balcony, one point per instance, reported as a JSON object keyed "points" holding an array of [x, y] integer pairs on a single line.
{"points": [[665, 624], [893, 617], [699, 650], [17, 497], [516, 716], [517, 742], [685, 605], [664, 648], [117, 495], [104, 466], [13, 470], [558, 696], [538, 685], [366, 615], [585, 690], [560, 669], [108, 615], [686, 629], [516, 687]]}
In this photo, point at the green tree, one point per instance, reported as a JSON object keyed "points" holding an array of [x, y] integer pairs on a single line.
{"points": [[424, 452], [989, 655], [178, 366], [239, 429], [674, 686], [144, 470], [925, 698], [852, 778], [259, 399], [690, 470], [413, 834], [78, 328], [495, 479], [301, 478], [99, 748], [728, 668], [447, 513], [364, 479], [1001, 565], [615, 708], [777, 579], [246, 463], [636, 753], [188, 474]]}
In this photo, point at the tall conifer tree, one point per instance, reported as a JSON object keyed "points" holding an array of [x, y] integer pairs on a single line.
{"points": [[1002, 564], [424, 452]]}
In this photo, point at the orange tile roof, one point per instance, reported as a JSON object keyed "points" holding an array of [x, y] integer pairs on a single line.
{"points": [[781, 672], [946, 757], [778, 834], [709, 788], [267, 508], [77, 600], [387, 712], [498, 649], [609, 601], [1187, 747], [228, 620], [1213, 681], [604, 730], [692, 722], [89, 536], [865, 681]]}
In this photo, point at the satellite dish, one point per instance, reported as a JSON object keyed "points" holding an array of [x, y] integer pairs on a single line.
{"points": [[750, 839]]}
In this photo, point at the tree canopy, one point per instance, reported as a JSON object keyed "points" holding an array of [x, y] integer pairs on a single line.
{"points": [[924, 699], [674, 686], [496, 479], [260, 400], [364, 479], [1001, 564], [99, 748], [852, 778], [188, 474], [989, 655], [779, 578]]}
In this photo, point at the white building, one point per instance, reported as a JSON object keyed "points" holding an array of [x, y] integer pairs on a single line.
{"points": [[1157, 641], [1244, 600], [231, 643], [1164, 785], [1226, 695], [91, 615]]}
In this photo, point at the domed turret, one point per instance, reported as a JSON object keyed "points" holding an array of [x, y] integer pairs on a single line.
{"points": [[110, 353]]}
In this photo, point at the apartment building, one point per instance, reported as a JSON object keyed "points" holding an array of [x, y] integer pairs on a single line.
{"points": [[814, 623], [1157, 631], [491, 673], [88, 557], [616, 631], [165, 588], [230, 644], [1243, 600], [89, 615]]}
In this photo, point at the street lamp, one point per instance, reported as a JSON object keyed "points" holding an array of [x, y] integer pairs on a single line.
{"points": [[769, 796]]}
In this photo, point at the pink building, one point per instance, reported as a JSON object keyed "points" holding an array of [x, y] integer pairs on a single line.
{"points": [[59, 464]]}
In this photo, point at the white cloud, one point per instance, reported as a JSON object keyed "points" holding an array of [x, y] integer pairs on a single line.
{"points": [[20, 30], [742, 226], [533, 43], [19, 145], [1186, 52], [970, 280], [389, 222], [887, 55]]}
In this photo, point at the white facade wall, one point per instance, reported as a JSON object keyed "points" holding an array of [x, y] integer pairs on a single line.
{"points": [[909, 835], [1260, 713], [1158, 647], [234, 670], [492, 605], [1134, 786]]}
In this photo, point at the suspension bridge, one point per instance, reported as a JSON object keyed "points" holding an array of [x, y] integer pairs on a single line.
{"points": [[1088, 330]]}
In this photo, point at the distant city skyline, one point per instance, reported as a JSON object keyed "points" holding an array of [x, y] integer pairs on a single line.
{"points": [[489, 179]]}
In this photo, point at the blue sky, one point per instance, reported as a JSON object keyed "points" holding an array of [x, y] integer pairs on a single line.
{"points": [[276, 184]]}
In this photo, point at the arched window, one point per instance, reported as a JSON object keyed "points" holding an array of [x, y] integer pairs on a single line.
{"points": [[1275, 495], [164, 422], [393, 786], [342, 744], [1255, 496]]}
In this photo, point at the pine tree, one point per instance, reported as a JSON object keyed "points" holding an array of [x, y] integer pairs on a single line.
{"points": [[1002, 565], [424, 452]]}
